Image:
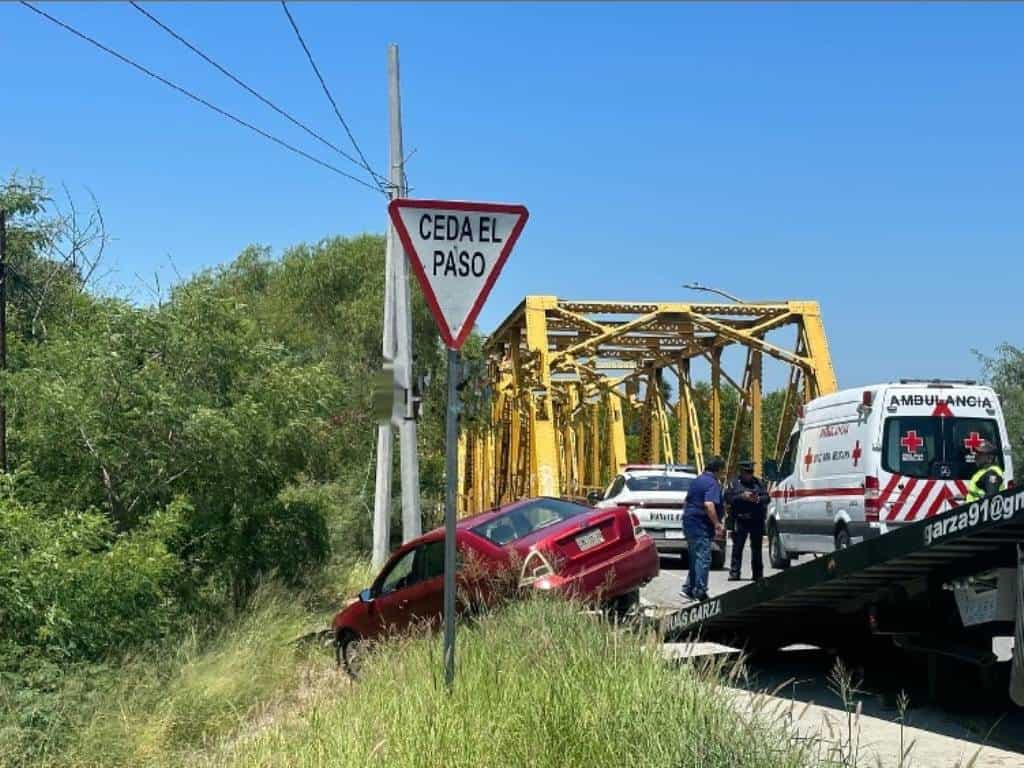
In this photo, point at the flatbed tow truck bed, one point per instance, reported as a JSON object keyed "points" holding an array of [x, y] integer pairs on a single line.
{"points": [[892, 588]]}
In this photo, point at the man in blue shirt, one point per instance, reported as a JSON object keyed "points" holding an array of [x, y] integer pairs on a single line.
{"points": [[702, 521]]}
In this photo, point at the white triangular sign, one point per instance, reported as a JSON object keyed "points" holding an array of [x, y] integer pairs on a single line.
{"points": [[456, 250]]}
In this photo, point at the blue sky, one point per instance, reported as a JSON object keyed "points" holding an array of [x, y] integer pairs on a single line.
{"points": [[868, 156]]}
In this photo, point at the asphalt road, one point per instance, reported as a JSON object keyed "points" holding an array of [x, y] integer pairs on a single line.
{"points": [[664, 590], [803, 671]]}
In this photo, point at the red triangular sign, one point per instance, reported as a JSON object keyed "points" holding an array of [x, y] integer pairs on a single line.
{"points": [[456, 250]]}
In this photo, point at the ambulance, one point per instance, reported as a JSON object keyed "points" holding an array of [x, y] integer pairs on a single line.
{"points": [[864, 461]]}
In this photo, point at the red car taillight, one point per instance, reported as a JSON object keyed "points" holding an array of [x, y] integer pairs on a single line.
{"points": [[872, 499], [535, 567]]}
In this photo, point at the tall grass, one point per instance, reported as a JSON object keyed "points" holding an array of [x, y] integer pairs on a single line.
{"points": [[538, 685], [171, 701]]}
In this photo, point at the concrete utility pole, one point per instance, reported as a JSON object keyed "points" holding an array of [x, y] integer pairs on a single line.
{"points": [[397, 346], [410, 468], [3, 335]]}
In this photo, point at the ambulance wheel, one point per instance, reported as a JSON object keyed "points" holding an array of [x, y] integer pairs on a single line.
{"points": [[842, 538], [775, 549]]}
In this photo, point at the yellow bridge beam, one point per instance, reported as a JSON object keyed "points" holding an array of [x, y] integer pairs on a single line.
{"points": [[569, 378]]}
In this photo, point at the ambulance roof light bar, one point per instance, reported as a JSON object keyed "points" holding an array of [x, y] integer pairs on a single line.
{"points": [[940, 382]]}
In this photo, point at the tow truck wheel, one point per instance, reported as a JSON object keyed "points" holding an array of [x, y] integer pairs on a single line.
{"points": [[775, 549]]}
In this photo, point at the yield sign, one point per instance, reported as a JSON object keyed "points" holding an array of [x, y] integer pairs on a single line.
{"points": [[456, 250]]}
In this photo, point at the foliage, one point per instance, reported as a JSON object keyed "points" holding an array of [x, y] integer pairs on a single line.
{"points": [[1005, 372], [167, 698], [170, 457], [74, 588]]}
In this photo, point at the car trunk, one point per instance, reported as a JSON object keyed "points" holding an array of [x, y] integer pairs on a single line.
{"points": [[658, 509], [583, 541]]}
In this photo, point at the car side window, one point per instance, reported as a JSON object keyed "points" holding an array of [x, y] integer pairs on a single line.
{"points": [[789, 457], [615, 488], [431, 560], [402, 573]]}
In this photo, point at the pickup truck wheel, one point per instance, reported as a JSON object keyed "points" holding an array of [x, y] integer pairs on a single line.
{"points": [[842, 538], [718, 558], [775, 550]]}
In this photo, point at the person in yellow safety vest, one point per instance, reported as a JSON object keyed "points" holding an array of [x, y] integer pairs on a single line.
{"points": [[988, 479]]}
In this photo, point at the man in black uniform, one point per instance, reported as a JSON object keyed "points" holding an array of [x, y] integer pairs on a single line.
{"points": [[748, 503]]}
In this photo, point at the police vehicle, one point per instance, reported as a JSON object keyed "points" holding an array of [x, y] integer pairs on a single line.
{"points": [[656, 495], [864, 461]]}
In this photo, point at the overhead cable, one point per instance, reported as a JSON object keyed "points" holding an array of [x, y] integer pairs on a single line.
{"points": [[199, 99]]}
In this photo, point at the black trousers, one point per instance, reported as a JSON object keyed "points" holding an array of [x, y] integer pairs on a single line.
{"points": [[754, 529]]}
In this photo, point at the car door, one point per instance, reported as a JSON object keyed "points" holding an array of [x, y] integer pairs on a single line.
{"points": [[412, 588]]}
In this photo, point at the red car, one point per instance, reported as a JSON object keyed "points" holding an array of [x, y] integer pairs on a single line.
{"points": [[598, 555]]}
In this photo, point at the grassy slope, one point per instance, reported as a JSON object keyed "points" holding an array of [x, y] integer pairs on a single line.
{"points": [[537, 685]]}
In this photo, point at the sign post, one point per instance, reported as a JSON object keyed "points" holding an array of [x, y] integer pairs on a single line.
{"points": [[456, 250]]}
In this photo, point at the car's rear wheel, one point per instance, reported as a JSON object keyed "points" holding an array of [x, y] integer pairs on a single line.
{"points": [[624, 606], [776, 553], [348, 650]]}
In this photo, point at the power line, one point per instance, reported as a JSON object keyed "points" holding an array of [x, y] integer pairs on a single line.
{"points": [[248, 88], [198, 99], [327, 91]]}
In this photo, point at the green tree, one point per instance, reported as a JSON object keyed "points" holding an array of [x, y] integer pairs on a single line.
{"points": [[1005, 372]]}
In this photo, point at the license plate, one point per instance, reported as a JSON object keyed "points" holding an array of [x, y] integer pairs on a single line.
{"points": [[589, 540], [674, 534]]}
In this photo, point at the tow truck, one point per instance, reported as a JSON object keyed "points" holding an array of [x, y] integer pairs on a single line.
{"points": [[933, 593]]}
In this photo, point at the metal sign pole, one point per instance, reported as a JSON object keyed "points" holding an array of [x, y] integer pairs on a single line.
{"points": [[451, 471]]}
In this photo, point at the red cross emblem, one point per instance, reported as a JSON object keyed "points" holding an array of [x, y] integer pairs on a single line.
{"points": [[808, 459], [856, 453], [911, 441], [972, 442]]}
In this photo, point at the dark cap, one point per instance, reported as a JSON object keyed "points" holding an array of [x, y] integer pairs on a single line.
{"points": [[715, 464], [746, 465]]}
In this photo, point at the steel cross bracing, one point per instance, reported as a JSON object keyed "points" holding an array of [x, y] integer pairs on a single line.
{"points": [[562, 378]]}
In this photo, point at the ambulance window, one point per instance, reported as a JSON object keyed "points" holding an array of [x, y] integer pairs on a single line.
{"points": [[789, 457], [963, 437], [912, 445]]}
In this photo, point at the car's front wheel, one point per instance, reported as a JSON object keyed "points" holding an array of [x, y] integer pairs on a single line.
{"points": [[348, 649]]}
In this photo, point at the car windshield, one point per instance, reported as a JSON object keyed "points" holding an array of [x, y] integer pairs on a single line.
{"points": [[934, 447], [526, 519], [658, 483]]}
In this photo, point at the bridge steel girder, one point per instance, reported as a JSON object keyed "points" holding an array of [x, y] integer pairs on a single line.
{"points": [[571, 377]]}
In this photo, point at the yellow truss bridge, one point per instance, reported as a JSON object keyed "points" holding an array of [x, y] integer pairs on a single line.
{"points": [[560, 377]]}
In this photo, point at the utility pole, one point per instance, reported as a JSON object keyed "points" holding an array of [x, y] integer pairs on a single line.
{"points": [[3, 335], [410, 468], [397, 347]]}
